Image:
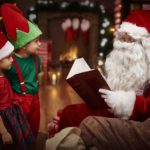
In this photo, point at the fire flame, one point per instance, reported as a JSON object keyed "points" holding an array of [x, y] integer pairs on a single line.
{"points": [[70, 55]]}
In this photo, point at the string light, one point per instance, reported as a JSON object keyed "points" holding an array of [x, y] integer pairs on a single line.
{"points": [[85, 3], [102, 31], [31, 8], [105, 34], [102, 9], [39, 1], [103, 42], [112, 29], [101, 54], [105, 23], [32, 17], [117, 15], [64, 4], [91, 5], [45, 2], [100, 62], [51, 2]]}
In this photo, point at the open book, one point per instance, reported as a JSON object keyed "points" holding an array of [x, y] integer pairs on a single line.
{"points": [[86, 82]]}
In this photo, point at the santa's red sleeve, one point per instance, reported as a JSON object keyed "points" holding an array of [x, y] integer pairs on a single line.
{"points": [[141, 110]]}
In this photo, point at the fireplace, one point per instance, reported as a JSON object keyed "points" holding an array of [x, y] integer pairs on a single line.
{"points": [[66, 51], [70, 54]]}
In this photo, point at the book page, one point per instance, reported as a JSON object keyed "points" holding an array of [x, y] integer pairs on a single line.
{"points": [[78, 66]]}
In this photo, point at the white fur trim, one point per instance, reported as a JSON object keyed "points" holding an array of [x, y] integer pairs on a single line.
{"points": [[124, 104], [75, 23], [146, 42], [85, 25], [68, 22], [64, 26], [133, 30], [6, 50]]}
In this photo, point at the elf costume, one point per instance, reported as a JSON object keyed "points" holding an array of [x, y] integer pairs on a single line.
{"points": [[24, 71], [13, 118]]}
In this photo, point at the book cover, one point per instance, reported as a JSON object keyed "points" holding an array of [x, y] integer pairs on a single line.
{"points": [[86, 82]]}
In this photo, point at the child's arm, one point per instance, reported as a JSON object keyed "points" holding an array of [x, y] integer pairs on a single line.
{"points": [[6, 137]]}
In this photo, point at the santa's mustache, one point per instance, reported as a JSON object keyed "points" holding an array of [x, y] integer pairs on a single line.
{"points": [[118, 44], [133, 51]]}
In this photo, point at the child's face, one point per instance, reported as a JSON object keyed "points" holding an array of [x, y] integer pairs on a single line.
{"points": [[33, 46], [6, 63]]}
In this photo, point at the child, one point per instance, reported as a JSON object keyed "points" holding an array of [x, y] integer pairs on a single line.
{"points": [[14, 128], [23, 74]]}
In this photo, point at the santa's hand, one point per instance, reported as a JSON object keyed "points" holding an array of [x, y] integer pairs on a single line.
{"points": [[120, 102], [109, 97]]}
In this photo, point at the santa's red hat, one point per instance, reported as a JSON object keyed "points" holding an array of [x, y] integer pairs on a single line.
{"points": [[137, 24], [6, 48]]}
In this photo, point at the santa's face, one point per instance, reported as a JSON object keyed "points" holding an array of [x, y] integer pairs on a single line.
{"points": [[126, 65], [125, 37]]}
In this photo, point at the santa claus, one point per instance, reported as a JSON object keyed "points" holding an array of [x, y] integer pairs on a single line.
{"points": [[127, 72], [128, 68]]}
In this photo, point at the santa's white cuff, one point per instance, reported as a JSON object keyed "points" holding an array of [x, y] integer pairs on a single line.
{"points": [[125, 104]]}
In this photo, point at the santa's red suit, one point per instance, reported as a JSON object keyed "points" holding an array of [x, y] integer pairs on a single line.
{"points": [[141, 110]]}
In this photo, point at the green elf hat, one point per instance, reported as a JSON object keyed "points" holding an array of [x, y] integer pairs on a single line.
{"points": [[20, 31]]}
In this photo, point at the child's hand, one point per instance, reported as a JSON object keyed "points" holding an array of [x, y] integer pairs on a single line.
{"points": [[7, 139]]}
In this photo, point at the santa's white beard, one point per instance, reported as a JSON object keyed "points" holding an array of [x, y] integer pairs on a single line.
{"points": [[146, 45], [126, 67], [147, 50]]}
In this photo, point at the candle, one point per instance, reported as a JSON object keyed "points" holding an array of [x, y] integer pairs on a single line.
{"points": [[54, 79], [58, 74]]}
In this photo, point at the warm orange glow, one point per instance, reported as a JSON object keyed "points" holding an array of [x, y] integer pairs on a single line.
{"points": [[70, 55], [99, 69], [112, 29], [58, 74], [54, 78]]}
